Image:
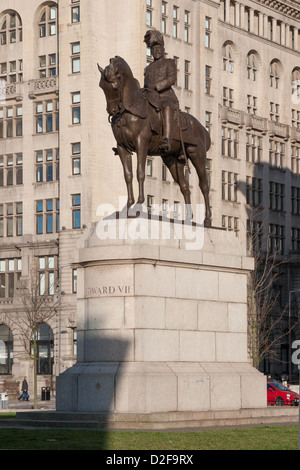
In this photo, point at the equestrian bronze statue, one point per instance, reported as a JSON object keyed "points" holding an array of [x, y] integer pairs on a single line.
{"points": [[148, 121]]}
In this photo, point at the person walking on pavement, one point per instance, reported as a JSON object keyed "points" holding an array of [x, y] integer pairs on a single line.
{"points": [[24, 394]]}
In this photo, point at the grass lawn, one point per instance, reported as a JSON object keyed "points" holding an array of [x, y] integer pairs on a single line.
{"points": [[253, 438]]}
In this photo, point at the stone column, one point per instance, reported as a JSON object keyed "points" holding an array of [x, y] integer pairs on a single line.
{"points": [[265, 20], [282, 34], [227, 11], [261, 24], [274, 29], [242, 15]]}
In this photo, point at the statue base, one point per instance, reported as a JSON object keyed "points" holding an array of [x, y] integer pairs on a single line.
{"points": [[162, 325]]}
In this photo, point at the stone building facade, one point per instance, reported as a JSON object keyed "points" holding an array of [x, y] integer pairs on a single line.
{"points": [[238, 72]]}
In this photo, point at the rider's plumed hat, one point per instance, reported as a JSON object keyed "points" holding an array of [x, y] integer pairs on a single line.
{"points": [[153, 37]]}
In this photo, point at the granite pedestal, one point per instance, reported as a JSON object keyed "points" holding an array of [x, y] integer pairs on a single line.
{"points": [[162, 323]]}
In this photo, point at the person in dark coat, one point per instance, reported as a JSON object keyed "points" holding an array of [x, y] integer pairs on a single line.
{"points": [[24, 389]]}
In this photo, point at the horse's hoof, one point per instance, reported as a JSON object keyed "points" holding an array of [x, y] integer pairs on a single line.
{"points": [[207, 223]]}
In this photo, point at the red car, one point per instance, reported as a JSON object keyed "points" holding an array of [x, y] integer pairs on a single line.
{"points": [[278, 394]]}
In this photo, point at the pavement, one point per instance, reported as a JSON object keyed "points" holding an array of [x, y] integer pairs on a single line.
{"points": [[16, 405]]}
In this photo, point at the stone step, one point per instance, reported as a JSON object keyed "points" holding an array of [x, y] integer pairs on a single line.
{"points": [[159, 421]]}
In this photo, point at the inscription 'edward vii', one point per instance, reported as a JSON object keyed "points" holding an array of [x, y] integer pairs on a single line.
{"points": [[107, 290]]}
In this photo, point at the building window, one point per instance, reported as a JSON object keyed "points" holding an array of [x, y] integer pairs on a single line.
{"points": [[46, 116], [276, 153], [47, 165], [187, 26], [276, 239], [164, 172], [175, 21], [149, 12], [149, 167], [295, 197], [47, 216], [74, 341], [208, 32], [150, 202], [274, 112], [11, 219], [228, 97], [295, 238], [11, 29], [276, 196], [47, 65], [296, 84], [252, 105], [10, 273], [229, 186], [165, 206], [208, 122], [227, 58], [208, 80], [254, 236], [253, 148], [76, 100], [254, 191], [47, 271], [231, 224], [208, 166], [76, 158], [11, 72], [48, 21], [75, 57], [76, 211], [45, 350], [274, 74], [11, 121], [75, 14], [251, 67], [74, 281], [164, 17], [187, 74], [295, 120], [6, 350], [230, 141], [11, 170], [295, 159], [176, 60]]}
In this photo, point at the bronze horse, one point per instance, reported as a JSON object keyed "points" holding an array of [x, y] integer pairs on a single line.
{"points": [[137, 127]]}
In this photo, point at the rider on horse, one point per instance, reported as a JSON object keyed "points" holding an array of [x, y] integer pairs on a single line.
{"points": [[160, 75]]}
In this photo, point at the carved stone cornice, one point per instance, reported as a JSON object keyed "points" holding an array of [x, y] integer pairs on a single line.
{"points": [[289, 8]]}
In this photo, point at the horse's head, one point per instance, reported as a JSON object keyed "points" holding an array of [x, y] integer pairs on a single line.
{"points": [[121, 89], [111, 85]]}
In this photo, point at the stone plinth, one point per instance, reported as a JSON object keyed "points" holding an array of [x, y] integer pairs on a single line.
{"points": [[162, 325]]}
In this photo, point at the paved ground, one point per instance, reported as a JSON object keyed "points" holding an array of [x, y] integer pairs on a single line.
{"points": [[16, 405]]}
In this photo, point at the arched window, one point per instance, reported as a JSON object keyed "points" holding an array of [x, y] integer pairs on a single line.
{"points": [[252, 66], [227, 58], [296, 85], [6, 350], [10, 28], [45, 350], [48, 21], [274, 73]]}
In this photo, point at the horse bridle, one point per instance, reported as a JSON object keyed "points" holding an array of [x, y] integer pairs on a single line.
{"points": [[117, 100]]}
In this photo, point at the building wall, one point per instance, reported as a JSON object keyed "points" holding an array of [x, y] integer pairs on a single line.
{"points": [[102, 33]]}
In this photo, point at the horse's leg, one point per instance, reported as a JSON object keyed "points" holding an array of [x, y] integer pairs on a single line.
{"points": [[197, 156], [126, 159], [141, 152], [177, 171]]}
